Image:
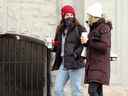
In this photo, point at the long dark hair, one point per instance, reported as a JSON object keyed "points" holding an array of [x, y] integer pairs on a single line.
{"points": [[61, 27]]}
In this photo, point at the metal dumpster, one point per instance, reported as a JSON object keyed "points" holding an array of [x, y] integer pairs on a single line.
{"points": [[24, 66]]}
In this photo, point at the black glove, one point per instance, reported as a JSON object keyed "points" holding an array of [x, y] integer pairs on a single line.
{"points": [[96, 36]]}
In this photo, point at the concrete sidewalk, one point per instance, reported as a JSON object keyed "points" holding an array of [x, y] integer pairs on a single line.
{"points": [[112, 90], [108, 91]]}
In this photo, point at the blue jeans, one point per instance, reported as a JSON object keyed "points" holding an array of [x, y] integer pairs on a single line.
{"points": [[63, 76]]}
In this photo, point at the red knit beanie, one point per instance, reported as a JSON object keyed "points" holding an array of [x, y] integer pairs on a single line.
{"points": [[67, 9]]}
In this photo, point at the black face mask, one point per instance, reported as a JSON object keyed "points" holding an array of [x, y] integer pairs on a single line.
{"points": [[68, 23]]}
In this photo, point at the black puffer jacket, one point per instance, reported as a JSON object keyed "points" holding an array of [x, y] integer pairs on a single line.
{"points": [[72, 49]]}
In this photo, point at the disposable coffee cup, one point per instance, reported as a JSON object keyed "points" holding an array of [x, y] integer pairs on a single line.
{"points": [[84, 34], [49, 42]]}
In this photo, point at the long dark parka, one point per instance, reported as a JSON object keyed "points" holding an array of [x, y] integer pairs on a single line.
{"points": [[98, 53], [72, 46]]}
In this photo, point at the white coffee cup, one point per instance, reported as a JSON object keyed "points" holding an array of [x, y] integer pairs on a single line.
{"points": [[49, 42], [84, 34]]}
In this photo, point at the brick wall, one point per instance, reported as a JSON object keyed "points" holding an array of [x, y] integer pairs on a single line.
{"points": [[36, 17]]}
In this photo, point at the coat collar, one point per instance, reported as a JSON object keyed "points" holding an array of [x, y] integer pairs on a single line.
{"points": [[100, 21]]}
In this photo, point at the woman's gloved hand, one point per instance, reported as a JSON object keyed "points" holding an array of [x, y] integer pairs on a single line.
{"points": [[96, 36]]}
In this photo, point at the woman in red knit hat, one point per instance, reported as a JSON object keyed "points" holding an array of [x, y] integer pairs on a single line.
{"points": [[68, 49]]}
